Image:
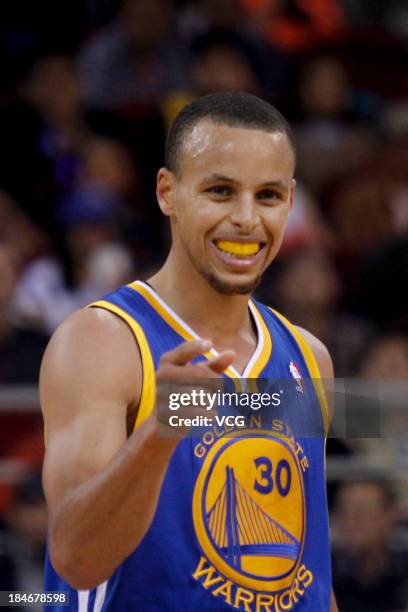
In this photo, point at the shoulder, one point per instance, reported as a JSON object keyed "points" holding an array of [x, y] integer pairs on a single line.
{"points": [[320, 353], [92, 328], [93, 348]]}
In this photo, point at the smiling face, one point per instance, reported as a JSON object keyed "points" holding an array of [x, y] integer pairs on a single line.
{"points": [[229, 203]]}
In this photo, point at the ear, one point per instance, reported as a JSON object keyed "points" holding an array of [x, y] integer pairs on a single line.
{"points": [[165, 191], [292, 192]]}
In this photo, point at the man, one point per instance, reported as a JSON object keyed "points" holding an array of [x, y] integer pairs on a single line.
{"points": [[135, 60], [21, 347], [369, 563], [142, 522]]}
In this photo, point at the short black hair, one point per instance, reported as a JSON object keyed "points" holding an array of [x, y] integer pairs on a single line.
{"points": [[231, 108]]}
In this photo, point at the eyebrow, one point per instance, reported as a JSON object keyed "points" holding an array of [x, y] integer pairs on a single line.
{"points": [[221, 177]]}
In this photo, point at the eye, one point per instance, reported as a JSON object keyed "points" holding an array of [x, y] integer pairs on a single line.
{"points": [[222, 191], [269, 194]]}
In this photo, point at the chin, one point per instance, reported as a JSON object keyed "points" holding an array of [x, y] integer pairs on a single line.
{"points": [[233, 288]]}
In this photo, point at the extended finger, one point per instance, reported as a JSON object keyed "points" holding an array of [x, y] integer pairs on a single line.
{"points": [[221, 362], [186, 351]]}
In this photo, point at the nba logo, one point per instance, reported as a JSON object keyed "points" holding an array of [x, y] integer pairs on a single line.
{"points": [[294, 370]]}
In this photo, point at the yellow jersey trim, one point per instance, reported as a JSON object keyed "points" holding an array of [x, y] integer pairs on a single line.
{"points": [[312, 366], [266, 352], [148, 395]]}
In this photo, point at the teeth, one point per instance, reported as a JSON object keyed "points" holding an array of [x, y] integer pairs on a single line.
{"points": [[238, 248]]}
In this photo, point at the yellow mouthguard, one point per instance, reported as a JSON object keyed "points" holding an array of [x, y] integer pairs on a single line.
{"points": [[238, 248]]}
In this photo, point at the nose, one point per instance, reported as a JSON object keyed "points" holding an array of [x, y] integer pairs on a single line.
{"points": [[244, 214]]}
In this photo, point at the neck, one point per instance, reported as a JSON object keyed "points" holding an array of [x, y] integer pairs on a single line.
{"points": [[190, 295]]}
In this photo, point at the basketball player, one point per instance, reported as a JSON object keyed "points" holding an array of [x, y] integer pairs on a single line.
{"points": [[147, 523]]}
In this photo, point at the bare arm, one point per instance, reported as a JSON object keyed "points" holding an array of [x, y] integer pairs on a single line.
{"points": [[101, 487], [333, 604]]}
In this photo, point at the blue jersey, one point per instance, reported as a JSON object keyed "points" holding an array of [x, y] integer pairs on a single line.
{"points": [[241, 522]]}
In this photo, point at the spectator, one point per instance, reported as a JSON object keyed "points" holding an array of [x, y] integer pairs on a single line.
{"points": [[369, 572], [21, 348], [108, 167], [296, 25], [218, 63], [27, 526], [43, 130], [383, 272], [224, 21], [97, 262], [135, 60], [386, 357], [17, 230], [212, 14], [307, 287], [331, 138], [383, 366], [108, 163], [366, 212]]}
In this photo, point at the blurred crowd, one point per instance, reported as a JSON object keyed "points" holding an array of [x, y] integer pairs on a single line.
{"points": [[88, 90]]}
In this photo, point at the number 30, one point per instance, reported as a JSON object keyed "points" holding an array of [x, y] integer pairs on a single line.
{"points": [[265, 482]]}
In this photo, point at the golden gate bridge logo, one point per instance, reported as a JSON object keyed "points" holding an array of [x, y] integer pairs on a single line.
{"points": [[239, 527], [249, 510]]}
